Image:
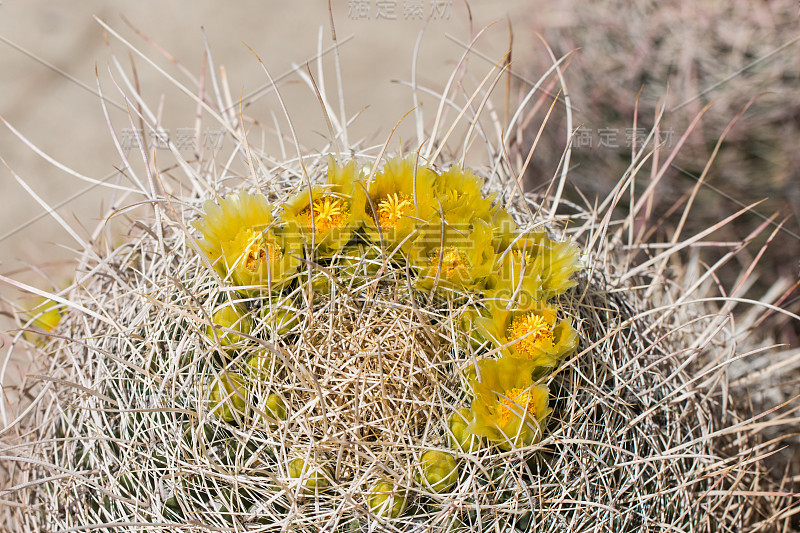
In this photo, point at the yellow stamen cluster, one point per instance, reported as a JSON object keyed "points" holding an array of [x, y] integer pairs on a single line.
{"points": [[329, 212], [521, 258], [453, 262], [533, 332], [259, 251], [515, 402], [392, 208]]}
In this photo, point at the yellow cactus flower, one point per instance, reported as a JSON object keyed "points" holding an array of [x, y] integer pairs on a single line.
{"points": [[505, 229], [329, 215], [530, 335], [557, 262], [278, 316], [534, 268], [401, 199], [244, 244], [45, 314], [387, 499], [452, 255], [460, 190], [508, 407]]}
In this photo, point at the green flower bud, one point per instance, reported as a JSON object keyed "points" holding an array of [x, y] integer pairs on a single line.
{"points": [[172, 503], [313, 477], [232, 316], [279, 316], [127, 484], [275, 407], [321, 284], [227, 396], [229, 504], [259, 366], [387, 500], [461, 439], [437, 471]]}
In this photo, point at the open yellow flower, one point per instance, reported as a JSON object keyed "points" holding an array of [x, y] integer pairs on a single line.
{"points": [[244, 244], [401, 199], [534, 268], [530, 336], [460, 190], [46, 314], [328, 215], [452, 255], [508, 407]]}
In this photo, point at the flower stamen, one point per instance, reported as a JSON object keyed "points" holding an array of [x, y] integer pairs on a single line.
{"points": [[532, 333], [329, 212], [453, 262], [515, 401], [392, 208], [259, 251]]}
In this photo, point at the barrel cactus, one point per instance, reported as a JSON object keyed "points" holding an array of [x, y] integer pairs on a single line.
{"points": [[359, 339]]}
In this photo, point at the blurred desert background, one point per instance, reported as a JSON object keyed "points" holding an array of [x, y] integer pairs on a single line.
{"points": [[687, 54]]}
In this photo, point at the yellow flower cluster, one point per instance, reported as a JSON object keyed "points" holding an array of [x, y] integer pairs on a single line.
{"points": [[453, 238]]}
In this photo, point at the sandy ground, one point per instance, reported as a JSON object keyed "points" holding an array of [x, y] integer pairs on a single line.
{"points": [[50, 53]]}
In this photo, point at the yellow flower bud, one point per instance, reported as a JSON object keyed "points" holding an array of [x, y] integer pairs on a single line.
{"points": [[259, 366], [358, 263], [231, 316], [460, 438], [227, 396], [386, 499], [312, 477], [279, 317], [437, 471], [275, 407]]}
